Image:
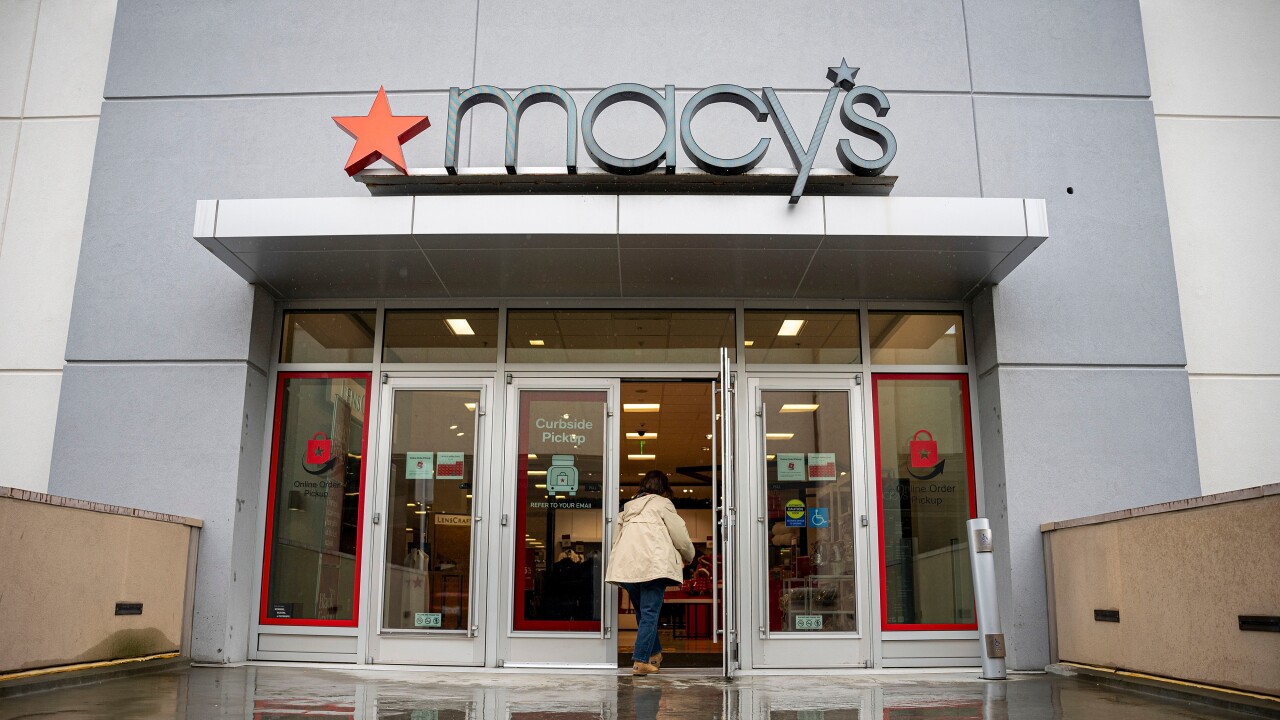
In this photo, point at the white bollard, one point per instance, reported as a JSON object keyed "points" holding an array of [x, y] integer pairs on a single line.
{"points": [[983, 563]]}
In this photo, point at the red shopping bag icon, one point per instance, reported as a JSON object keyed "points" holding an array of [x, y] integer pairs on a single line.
{"points": [[924, 453], [318, 449]]}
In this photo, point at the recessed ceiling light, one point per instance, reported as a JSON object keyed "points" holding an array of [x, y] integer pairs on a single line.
{"points": [[537, 343], [791, 328], [644, 436], [538, 473], [419, 512], [645, 456], [641, 407], [469, 406], [455, 427], [412, 504], [461, 434], [770, 457], [532, 456], [459, 326], [951, 330], [798, 407], [748, 343], [542, 486], [779, 436]]}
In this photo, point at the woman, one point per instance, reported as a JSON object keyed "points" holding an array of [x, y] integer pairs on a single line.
{"points": [[649, 550]]}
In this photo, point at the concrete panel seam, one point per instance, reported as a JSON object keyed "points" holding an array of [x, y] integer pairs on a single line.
{"points": [[1186, 116], [679, 89], [1087, 366]]}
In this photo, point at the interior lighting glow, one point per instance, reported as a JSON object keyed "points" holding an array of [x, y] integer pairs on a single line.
{"points": [[646, 436], [790, 328], [645, 456], [641, 406], [537, 343], [779, 436], [470, 406], [459, 326], [748, 343], [542, 486], [419, 512], [538, 472], [770, 457], [798, 407]]}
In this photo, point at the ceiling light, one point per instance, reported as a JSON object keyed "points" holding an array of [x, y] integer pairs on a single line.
{"points": [[543, 486], [779, 436], [419, 512], [748, 343], [461, 434], [798, 407], [790, 328], [951, 330], [455, 427], [770, 457], [409, 529], [468, 497], [538, 472], [412, 504], [645, 456], [532, 456], [537, 343], [642, 436], [459, 326], [469, 406], [641, 407]]}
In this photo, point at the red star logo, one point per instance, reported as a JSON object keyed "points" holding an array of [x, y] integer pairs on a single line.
{"points": [[380, 134]]}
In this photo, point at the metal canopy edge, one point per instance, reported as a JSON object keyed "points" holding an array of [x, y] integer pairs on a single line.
{"points": [[623, 245]]}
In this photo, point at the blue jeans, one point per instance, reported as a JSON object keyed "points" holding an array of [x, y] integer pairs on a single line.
{"points": [[646, 598]]}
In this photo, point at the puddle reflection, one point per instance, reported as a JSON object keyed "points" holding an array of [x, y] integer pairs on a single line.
{"points": [[269, 693]]}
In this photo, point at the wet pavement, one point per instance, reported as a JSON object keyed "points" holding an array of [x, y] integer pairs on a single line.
{"points": [[291, 693]]}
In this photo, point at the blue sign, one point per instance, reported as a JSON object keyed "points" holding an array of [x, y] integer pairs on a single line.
{"points": [[819, 518]]}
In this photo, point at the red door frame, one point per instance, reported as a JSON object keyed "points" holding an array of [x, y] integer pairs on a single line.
{"points": [[263, 618], [963, 379]]}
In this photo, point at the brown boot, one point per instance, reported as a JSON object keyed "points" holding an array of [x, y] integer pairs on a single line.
{"points": [[656, 660], [643, 668]]}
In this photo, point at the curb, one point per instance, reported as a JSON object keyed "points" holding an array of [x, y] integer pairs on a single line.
{"points": [[1237, 700]]}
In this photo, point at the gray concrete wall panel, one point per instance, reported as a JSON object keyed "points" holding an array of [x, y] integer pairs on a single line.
{"points": [[168, 438], [145, 290], [166, 48], [1074, 442], [1083, 47], [900, 45], [1102, 289]]}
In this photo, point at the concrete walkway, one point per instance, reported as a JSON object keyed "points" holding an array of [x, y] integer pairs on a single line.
{"points": [[289, 693]]}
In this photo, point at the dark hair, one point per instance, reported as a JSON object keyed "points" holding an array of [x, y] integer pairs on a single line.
{"points": [[655, 482]]}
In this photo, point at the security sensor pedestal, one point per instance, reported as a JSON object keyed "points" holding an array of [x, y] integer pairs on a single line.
{"points": [[982, 561]]}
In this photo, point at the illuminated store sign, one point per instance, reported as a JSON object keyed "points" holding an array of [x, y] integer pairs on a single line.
{"points": [[380, 134]]}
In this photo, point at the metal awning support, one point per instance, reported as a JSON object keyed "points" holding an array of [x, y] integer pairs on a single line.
{"points": [[623, 245]]}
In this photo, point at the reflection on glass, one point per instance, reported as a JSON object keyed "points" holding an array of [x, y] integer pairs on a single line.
{"points": [[618, 336], [560, 510], [917, 338], [809, 496], [926, 479], [440, 336], [313, 521], [802, 338], [428, 570], [327, 336]]}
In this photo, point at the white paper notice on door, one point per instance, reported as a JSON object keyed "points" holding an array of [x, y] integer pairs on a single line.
{"points": [[822, 466], [419, 466], [790, 467], [449, 466]]}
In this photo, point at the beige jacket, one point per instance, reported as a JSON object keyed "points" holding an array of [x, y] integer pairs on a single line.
{"points": [[651, 542]]}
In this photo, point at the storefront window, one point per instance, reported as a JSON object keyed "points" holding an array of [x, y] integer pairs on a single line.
{"points": [[809, 496], [924, 462], [618, 336], [312, 561], [440, 336], [917, 338], [560, 510], [428, 571], [327, 336], [802, 338]]}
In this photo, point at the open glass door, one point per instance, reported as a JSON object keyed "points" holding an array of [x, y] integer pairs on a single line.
{"points": [[432, 475], [563, 489], [724, 481], [811, 543]]}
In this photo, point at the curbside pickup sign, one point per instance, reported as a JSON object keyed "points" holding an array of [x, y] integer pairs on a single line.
{"points": [[380, 134]]}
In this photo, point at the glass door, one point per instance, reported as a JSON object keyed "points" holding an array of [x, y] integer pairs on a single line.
{"points": [[812, 539], [433, 476], [560, 503]]}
